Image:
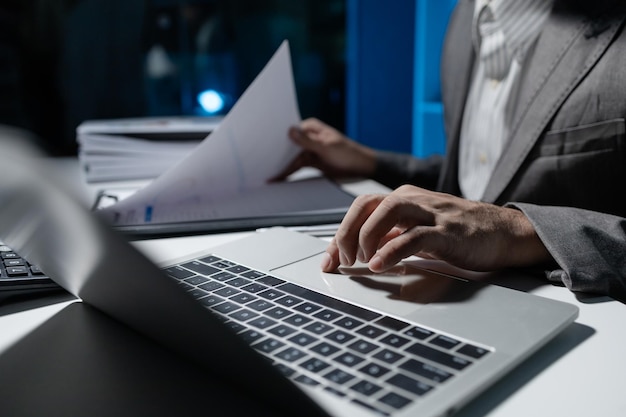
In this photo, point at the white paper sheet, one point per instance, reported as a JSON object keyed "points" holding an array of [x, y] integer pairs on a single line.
{"points": [[249, 147]]}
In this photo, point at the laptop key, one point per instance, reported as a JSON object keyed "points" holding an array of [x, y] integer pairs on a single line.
{"points": [[254, 288], [285, 370], [340, 336], [268, 345], [318, 327], [237, 269], [238, 282], [227, 292], [211, 300], [289, 301], [394, 400], [409, 384], [349, 359], [298, 320], [391, 323], [338, 376], [251, 335], [307, 308], [473, 351], [366, 388], [211, 286], [223, 276], [438, 356], [444, 342], [243, 315], [252, 274], [196, 280], [371, 331], [226, 307], [290, 354], [15, 262], [303, 339], [282, 330], [242, 298], [348, 323], [314, 365], [271, 294], [17, 271], [394, 340], [425, 370], [388, 356], [270, 281], [262, 322], [277, 312], [363, 346], [200, 268], [418, 333], [303, 379], [327, 315], [374, 370], [178, 272], [260, 305], [325, 349]]}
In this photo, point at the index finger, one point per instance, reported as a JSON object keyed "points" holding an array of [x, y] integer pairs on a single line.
{"points": [[347, 236]]}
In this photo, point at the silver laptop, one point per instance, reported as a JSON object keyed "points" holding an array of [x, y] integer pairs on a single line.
{"points": [[259, 314]]}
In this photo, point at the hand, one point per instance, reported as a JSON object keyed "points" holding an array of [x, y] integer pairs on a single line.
{"points": [[383, 230], [328, 150]]}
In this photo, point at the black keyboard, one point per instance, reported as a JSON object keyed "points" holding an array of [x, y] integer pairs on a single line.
{"points": [[17, 274], [373, 360]]}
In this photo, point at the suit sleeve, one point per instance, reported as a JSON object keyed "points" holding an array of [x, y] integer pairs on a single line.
{"points": [[395, 169], [589, 247]]}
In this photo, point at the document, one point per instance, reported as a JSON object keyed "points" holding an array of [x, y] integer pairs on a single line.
{"points": [[223, 183]]}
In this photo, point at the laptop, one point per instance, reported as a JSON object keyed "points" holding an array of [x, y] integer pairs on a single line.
{"points": [[259, 315]]}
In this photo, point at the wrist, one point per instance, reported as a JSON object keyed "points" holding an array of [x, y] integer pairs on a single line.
{"points": [[528, 249]]}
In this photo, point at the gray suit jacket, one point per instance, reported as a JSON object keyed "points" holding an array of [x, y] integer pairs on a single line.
{"points": [[567, 145]]}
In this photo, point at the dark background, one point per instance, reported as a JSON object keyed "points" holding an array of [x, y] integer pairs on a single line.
{"points": [[66, 61]]}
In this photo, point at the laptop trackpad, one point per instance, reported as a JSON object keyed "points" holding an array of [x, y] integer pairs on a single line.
{"points": [[401, 290]]}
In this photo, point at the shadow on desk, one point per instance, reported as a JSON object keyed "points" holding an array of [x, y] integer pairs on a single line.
{"points": [[571, 337], [15, 302], [81, 362]]}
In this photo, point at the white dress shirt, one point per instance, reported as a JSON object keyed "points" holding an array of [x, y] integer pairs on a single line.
{"points": [[503, 31]]}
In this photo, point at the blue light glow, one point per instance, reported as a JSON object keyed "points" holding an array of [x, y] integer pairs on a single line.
{"points": [[211, 101]]}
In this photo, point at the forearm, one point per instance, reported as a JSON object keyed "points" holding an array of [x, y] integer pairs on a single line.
{"points": [[395, 169]]}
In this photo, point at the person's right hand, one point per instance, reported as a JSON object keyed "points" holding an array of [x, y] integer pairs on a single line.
{"points": [[382, 230], [330, 151]]}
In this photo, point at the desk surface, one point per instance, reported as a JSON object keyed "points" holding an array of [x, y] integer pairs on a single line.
{"points": [[580, 373]]}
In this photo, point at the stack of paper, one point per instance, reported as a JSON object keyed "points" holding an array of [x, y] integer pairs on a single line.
{"points": [[140, 148]]}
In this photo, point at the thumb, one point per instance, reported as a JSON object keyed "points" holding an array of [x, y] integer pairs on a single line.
{"points": [[305, 141]]}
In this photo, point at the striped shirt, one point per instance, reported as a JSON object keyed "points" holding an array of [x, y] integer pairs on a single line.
{"points": [[502, 32]]}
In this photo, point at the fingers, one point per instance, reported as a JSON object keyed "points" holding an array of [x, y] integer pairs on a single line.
{"points": [[330, 259], [411, 242], [382, 230], [347, 236], [304, 139]]}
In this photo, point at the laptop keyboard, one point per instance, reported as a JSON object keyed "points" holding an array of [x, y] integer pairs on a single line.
{"points": [[16, 273], [373, 360]]}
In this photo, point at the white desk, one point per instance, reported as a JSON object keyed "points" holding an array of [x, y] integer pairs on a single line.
{"points": [[580, 373]]}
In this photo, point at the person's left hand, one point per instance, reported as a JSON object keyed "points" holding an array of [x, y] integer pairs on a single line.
{"points": [[382, 230]]}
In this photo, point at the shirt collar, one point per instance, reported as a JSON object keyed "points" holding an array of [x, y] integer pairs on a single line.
{"points": [[519, 21]]}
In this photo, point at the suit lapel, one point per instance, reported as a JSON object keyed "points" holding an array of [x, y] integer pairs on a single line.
{"points": [[562, 56], [456, 70]]}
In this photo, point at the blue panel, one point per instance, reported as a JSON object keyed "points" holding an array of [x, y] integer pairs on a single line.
{"points": [[431, 17], [380, 73]]}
